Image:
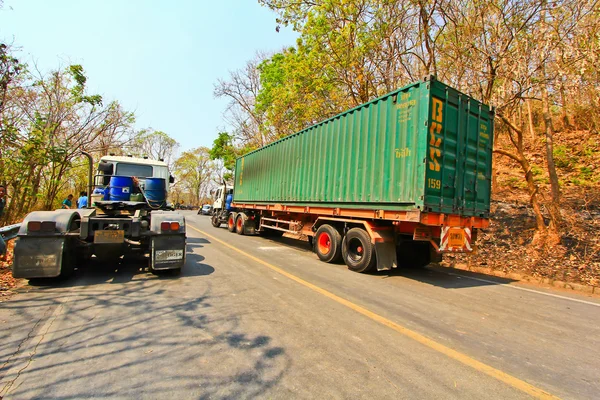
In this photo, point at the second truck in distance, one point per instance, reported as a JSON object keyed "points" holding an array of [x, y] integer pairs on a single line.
{"points": [[397, 181]]}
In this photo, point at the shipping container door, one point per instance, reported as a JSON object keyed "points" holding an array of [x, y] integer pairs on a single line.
{"points": [[459, 156]]}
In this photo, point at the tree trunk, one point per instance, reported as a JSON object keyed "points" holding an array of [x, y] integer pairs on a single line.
{"points": [[565, 117], [554, 185], [530, 117], [534, 194]]}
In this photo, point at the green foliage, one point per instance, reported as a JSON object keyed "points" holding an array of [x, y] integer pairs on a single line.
{"points": [[224, 150], [77, 72], [536, 170], [563, 157], [194, 170], [45, 122]]}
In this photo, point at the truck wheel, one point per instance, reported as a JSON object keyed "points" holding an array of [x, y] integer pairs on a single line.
{"points": [[215, 220], [240, 223], [358, 252], [231, 222], [328, 243], [411, 254]]}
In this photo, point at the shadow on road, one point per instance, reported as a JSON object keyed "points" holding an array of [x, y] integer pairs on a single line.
{"points": [[445, 277], [433, 275], [123, 332], [96, 272], [290, 242]]}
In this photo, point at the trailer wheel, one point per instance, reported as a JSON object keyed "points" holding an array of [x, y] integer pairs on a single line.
{"points": [[358, 252], [411, 254], [327, 243], [231, 222], [216, 221], [240, 223]]}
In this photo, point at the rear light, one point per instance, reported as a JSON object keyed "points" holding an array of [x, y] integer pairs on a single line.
{"points": [[48, 226], [169, 226], [44, 226], [34, 226]]}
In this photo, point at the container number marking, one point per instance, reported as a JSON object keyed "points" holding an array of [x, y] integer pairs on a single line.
{"points": [[435, 141], [401, 153], [434, 183]]}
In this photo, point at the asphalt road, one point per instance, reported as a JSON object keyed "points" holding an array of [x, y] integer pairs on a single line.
{"points": [[262, 318]]}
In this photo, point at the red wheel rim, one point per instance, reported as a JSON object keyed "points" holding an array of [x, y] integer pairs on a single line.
{"points": [[324, 243], [239, 223], [230, 222]]}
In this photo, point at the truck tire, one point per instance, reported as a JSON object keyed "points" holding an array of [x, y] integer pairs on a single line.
{"points": [[412, 254], [328, 243], [358, 252], [231, 222], [215, 221], [240, 223]]}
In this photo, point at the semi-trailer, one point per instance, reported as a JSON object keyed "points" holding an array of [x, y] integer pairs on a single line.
{"points": [[397, 181]]}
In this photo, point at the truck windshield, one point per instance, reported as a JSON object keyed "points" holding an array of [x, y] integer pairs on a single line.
{"points": [[143, 171]]}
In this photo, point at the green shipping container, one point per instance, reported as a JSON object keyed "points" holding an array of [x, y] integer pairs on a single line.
{"points": [[425, 146]]}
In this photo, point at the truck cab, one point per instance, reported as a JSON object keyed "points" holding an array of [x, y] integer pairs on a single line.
{"points": [[115, 225], [132, 166], [221, 197]]}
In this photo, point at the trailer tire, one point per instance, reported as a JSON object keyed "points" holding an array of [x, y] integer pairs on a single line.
{"points": [[231, 222], [240, 224], [328, 243], [358, 252], [215, 221], [412, 254]]}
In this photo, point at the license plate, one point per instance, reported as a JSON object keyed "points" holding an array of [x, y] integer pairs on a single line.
{"points": [[38, 261], [456, 238], [168, 255], [109, 236]]}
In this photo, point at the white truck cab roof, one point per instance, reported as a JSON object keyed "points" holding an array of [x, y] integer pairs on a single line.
{"points": [[136, 166], [133, 160]]}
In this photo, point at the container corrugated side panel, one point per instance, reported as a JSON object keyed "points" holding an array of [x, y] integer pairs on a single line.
{"points": [[459, 167], [371, 156]]}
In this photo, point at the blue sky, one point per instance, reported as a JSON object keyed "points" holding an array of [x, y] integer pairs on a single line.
{"points": [[159, 59]]}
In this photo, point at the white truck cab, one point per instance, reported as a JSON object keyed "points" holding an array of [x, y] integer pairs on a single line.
{"points": [[221, 196], [134, 166]]}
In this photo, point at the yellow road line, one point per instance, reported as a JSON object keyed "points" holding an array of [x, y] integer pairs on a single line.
{"points": [[456, 355]]}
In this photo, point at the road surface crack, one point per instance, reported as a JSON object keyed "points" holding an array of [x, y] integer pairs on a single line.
{"points": [[29, 335], [6, 388]]}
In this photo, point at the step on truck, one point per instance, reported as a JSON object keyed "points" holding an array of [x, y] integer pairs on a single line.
{"points": [[395, 182], [127, 217]]}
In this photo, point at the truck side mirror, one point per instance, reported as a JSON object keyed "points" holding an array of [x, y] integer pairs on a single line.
{"points": [[171, 179], [105, 167]]}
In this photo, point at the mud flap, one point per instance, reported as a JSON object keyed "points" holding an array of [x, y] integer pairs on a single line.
{"points": [[167, 252], [38, 257], [249, 226], [386, 251]]}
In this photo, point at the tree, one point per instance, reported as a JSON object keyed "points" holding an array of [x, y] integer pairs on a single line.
{"points": [[154, 144], [194, 170], [46, 120], [241, 89]]}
